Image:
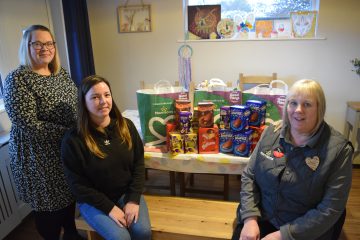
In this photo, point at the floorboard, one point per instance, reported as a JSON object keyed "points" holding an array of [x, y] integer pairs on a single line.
{"points": [[351, 230]]}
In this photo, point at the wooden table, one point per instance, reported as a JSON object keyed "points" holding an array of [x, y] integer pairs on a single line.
{"points": [[219, 164], [223, 164]]}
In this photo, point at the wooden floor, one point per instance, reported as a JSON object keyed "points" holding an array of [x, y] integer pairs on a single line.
{"points": [[351, 230]]}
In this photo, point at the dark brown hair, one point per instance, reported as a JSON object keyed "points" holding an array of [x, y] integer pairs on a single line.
{"points": [[84, 122]]}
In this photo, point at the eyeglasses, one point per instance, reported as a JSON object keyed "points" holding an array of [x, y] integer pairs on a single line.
{"points": [[39, 45]]}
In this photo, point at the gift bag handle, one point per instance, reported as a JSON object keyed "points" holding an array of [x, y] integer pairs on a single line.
{"points": [[216, 84], [217, 81], [262, 88], [283, 84], [163, 86]]}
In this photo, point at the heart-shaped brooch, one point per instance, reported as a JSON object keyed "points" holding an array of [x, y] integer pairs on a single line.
{"points": [[313, 162]]}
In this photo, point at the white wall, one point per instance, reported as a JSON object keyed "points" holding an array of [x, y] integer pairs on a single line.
{"points": [[127, 58]]}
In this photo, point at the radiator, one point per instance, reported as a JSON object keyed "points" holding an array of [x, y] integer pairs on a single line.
{"points": [[12, 210]]}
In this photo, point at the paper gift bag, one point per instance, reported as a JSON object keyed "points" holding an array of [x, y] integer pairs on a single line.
{"points": [[274, 97], [219, 94], [156, 108]]}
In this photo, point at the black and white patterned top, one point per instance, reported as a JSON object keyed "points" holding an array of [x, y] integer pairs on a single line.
{"points": [[41, 108]]}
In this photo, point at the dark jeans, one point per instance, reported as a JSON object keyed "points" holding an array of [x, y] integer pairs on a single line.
{"points": [[267, 228], [49, 224]]}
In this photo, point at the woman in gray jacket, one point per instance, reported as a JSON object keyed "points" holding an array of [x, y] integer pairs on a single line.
{"points": [[298, 179]]}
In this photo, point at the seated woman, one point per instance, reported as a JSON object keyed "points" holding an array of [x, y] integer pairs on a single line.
{"points": [[104, 165], [298, 179]]}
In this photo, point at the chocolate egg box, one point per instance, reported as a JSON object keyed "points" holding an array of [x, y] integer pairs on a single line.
{"points": [[258, 112], [242, 143], [239, 117]]}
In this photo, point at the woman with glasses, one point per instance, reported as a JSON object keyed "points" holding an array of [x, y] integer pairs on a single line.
{"points": [[40, 99]]}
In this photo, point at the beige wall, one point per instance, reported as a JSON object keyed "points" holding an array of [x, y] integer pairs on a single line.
{"points": [[126, 59], [16, 15]]}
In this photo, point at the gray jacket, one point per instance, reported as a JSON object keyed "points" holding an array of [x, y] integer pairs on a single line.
{"points": [[301, 190]]}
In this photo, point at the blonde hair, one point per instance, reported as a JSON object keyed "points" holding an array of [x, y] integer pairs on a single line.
{"points": [[307, 87], [84, 122], [24, 50]]}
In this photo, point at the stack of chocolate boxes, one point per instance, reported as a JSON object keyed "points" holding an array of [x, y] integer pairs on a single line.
{"points": [[239, 129], [256, 120], [246, 125], [180, 135], [208, 131]]}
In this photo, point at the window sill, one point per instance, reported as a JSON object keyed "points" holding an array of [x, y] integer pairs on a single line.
{"points": [[251, 39]]}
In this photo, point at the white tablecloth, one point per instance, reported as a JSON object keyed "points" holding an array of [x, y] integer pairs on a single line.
{"points": [[196, 163], [190, 163]]}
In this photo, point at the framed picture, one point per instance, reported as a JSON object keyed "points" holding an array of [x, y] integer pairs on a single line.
{"points": [[283, 27], [203, 20], [304, 23], [134, 18], [264, 28]]}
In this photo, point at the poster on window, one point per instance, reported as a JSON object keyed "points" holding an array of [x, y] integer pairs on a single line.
{"points": [[283, 27], [263, 28], [303, 23], [203, 20]]}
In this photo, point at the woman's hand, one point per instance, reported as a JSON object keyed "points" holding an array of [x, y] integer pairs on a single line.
{"points": [[118, 216], [131, 210], [273, 236], [250, 230]]}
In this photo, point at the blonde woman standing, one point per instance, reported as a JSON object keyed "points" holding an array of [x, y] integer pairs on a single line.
{"points": [[40, 99]]}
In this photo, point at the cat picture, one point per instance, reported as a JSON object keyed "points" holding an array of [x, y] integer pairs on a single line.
{"points": [[203, 20]]}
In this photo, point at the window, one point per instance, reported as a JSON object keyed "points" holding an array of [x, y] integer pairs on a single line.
{"points": [[273, 16]]}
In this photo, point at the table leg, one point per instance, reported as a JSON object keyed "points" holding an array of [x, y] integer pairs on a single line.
{"points": [[192, 178], [172, 183], [146, 174], [355, 138], [181, 176], [226, 187], [347, 130]]}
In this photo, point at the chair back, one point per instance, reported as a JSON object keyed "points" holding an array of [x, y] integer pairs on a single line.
{"points": [[255, 79]]}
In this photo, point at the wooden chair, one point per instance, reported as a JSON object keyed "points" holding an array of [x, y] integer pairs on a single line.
{"points": [[255, 79]]}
